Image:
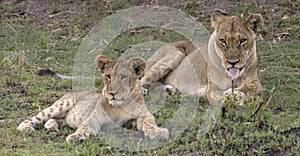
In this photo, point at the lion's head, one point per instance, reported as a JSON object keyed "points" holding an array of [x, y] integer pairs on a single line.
{"points": [[235, 40], [121, 78]]}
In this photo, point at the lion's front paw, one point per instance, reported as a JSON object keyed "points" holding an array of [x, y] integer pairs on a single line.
{"points": [[158, 133], [26, 126], [169, 88], [51, 125], [71, 138], [76, 136], [237, 95]]}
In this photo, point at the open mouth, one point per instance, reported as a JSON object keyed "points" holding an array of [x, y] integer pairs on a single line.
{"points": [[234, 72]]}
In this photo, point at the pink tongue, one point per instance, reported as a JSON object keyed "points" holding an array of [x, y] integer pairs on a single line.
{"points": [[234, 73]]}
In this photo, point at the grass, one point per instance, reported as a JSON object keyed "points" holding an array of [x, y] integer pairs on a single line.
{"points": [[30, 39]]}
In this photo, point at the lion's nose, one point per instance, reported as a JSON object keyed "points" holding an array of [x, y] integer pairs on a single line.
{"points": [[233, 62], [113, 93]]}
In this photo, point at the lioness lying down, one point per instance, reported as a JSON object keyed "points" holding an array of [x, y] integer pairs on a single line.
{"points": [[230, 56], [120, 101]]}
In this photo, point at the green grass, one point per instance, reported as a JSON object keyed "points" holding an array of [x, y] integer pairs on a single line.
{"points": [[29, 42]]}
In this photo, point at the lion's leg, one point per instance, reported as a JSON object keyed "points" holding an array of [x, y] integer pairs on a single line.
{"points": [[165, 60], [252, 88], [161, 64], [148, 125], [155, 73], [57, 110], [82, 133], [91, 126]]}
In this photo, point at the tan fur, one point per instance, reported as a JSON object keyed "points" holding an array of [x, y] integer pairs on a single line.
{"points": [[193, 69], [120, 101]]}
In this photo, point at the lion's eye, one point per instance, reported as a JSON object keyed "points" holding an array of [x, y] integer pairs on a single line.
{"points": [[223, 41], [107, 77], [242, 41], [124, 77]]}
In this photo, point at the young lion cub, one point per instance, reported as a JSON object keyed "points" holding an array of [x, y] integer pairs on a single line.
{"points": [[120, 101]]}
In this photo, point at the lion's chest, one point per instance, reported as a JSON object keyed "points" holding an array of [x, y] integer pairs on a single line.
{"points": [[118, 115], [85, 106]]}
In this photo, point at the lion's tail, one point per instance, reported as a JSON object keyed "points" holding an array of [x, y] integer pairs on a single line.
{"points": [[43, 72]]}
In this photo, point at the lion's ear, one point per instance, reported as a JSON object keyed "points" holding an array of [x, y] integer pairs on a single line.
{"points": [[254, 22], [217, 17], [138, 66], [102, 62]]}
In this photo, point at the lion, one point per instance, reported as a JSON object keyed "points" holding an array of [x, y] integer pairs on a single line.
{"points": [[228, 64], [120, 101]]}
